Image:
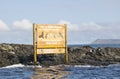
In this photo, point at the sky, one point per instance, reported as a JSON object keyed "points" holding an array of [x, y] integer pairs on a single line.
{"points": [[87, 20]]}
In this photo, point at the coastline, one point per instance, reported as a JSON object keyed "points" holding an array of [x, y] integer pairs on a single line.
{"points": [[54, 72], [85, 55]]}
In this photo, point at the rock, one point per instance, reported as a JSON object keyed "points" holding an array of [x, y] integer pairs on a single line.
{"points": [[15, 53], [20, 53], [11, 52], [8, 59], [6, 47]]}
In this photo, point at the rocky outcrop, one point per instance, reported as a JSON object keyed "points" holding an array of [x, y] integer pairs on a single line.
{"points": [[99, 56], [19, 53], [15, 53]]}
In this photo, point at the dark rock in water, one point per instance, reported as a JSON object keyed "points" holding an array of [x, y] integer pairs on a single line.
{"points": [[8, 59], [15, 53], [19, 53], [47, 60]]}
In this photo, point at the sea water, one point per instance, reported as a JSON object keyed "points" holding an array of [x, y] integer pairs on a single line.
{"points": [[75, 72], [96, 45], [94, 72], [17, 71]]}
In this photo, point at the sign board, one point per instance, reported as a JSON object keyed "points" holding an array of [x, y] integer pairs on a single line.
{"points": [[50, 36], [49, 39]]}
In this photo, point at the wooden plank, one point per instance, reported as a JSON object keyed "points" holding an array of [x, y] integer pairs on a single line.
{"points": [[35, 43], [51, 51], [66, 51]]}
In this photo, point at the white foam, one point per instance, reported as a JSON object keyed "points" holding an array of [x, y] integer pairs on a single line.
{"points": [[34, 66], [14, 66], [21, 65], [97, 66], [83, 66]]}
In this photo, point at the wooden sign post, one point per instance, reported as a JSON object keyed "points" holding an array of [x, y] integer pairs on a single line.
{"points": [[50, 39]]}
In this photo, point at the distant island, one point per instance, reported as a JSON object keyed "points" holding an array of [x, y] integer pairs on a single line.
{"points": [[106, 41]]}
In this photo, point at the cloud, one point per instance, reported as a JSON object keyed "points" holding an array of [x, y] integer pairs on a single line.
{"points": [[22, 25], [70, 26], [89, 31], [3, 26], [91, 26], [82, 33]]}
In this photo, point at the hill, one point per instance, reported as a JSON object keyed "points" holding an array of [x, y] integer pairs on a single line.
{"points": [[106, 41]]}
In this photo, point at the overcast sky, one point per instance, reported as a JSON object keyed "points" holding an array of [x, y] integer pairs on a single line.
{"points": [[87, 20]]}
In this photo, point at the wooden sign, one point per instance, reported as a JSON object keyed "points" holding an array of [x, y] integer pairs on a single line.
{"points": [[50, 36], [49, 39]]}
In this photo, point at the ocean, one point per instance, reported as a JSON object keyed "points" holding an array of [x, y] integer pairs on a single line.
{"points": [[75, 72], [94, 72], [112, 71], [17, 71], [96, 45]]}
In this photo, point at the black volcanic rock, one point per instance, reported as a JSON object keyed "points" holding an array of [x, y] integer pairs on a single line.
{"points": [[15, 53], [106, 41], [19, 53]]}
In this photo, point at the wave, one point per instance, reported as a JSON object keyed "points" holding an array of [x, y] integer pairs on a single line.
{"points": [[14, 66], [83, 66], [67, 66], [111, 65], [39, 66], [21, 65], [34, 66]]}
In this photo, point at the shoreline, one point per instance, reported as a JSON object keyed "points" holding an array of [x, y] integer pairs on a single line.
{"points": [[85, 55], [55, 72]]}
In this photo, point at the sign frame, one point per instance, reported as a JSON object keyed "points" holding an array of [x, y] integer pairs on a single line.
{"points": [[54, 48]]}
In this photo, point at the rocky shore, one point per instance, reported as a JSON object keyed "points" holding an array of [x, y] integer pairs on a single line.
{"points": [[20, 53]]}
